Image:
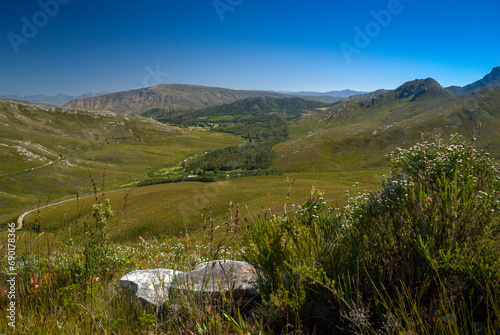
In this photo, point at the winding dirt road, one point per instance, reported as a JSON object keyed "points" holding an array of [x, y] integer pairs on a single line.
{"points": [[26, 170], [20, 219]]}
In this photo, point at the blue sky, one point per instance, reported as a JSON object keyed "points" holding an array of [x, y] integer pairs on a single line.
{"points": [[90, 46]]}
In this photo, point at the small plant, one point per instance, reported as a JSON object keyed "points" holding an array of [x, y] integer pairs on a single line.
{"points": [[95, 245]]}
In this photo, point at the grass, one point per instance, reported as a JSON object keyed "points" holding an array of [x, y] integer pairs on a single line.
{"points": [[165, 209], [383, 260], [328, 261], [356, 134], [127, 147]]}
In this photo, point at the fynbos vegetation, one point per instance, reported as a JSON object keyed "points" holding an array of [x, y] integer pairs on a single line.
{"points": [[419, 256]]}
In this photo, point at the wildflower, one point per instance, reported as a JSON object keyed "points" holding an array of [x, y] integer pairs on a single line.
{"points": [[33, 280]]}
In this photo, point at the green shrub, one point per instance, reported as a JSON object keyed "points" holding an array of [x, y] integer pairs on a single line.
{"points": [[423, 249]]}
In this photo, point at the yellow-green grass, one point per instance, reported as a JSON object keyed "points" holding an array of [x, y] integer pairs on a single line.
{"points": [[123, 162], [353, 136], [172, 209]]}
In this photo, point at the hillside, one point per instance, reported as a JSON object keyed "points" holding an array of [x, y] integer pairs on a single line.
{"points": [[46, 151], [356, 134], [245, 110], [491, 79], [172, 96]]}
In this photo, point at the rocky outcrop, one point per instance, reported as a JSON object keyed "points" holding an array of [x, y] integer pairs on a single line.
{"points": [[155, 286]]}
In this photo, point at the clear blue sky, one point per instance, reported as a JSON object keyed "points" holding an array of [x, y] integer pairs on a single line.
{"points": [[91, 45]]}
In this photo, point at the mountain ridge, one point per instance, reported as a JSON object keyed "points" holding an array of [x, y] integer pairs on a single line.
{"points": [[491, 79], [173, 96], [359, 132]]}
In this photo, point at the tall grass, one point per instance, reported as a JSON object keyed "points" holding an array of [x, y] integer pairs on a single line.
{"points": [[76, 289]]}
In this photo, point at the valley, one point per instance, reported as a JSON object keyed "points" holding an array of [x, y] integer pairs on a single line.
{"points": [[49, 153], [302, 187]]}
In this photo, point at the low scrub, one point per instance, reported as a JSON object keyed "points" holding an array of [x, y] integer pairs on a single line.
{"points": [[420, 256]]}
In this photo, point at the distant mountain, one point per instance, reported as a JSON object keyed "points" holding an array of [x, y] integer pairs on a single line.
{"points": [[59, 99], [338, 94], [367, 95], [172, 96], [491, 79]]}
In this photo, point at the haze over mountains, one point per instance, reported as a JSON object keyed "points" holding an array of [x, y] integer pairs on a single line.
{"points": [[338, 94], [59, 99]]}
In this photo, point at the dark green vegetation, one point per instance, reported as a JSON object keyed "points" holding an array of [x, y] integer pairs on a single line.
{"points": [[262, 122], [245, 111]]}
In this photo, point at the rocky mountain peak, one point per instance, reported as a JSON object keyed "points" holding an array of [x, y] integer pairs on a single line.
{"points": [[417, 87]]}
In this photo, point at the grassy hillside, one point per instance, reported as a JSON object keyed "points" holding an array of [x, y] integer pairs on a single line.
{"points": [[358, 133], [46, 151], [60, 145], [165, 209]]}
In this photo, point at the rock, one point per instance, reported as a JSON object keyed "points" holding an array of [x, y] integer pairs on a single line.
{"points": [[220, 276], [153, 287], [150, 286]]}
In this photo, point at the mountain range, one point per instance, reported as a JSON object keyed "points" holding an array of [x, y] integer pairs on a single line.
{"points": [[59, 99], [175, 97], [46, 150], [357, 133]]}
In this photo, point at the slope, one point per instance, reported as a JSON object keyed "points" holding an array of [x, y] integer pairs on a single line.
{"points": [[171, 96], [491, 79], [46, 152], [358, 133]]}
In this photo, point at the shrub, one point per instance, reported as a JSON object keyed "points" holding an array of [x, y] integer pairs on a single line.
{"points": [[423, 249]]}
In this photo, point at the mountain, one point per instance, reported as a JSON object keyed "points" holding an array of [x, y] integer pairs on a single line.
{"points": [[59, 99], [171, 96], [337, 94], [491, 79], [357, 133]]}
